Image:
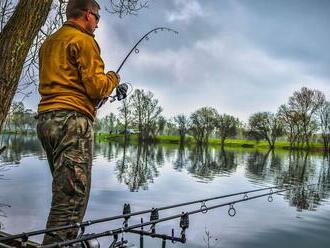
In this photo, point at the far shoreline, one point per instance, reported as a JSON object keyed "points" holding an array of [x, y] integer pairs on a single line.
{"points": [[214, 142]]}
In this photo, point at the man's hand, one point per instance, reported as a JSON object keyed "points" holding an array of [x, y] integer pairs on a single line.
{"points": [[118, 76], [121, 91]]}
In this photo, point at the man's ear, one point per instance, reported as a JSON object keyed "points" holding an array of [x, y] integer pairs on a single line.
{"points": [[86, 16]]}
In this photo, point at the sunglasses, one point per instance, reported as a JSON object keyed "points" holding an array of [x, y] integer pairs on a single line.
{"points": [[97, 16]]}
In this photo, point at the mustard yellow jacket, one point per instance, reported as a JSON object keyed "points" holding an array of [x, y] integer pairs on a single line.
{"points": [[71, 72]]}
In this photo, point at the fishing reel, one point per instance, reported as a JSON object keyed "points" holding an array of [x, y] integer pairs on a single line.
{"points": [[121, 91], [92, 243]]}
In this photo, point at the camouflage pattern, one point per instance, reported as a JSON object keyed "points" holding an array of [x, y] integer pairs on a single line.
{"points": [[67, 137]]}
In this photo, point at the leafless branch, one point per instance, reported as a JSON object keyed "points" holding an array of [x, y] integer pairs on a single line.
{"points": [[126, 7], [29, 78], [7, 8]]}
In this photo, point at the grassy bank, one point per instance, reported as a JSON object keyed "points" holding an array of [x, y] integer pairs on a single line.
{"points": [[235, 143]]}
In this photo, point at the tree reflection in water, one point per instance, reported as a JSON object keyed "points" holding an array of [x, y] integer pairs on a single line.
{"points": [[298, 169], [311, 197], [19, 146], [181, 158], [2, 205], [139, 165], [257, 164], [207, 163], [107, 150], [3, 168]]}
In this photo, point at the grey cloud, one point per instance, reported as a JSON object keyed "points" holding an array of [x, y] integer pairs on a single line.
{"points": [[238, 56]]}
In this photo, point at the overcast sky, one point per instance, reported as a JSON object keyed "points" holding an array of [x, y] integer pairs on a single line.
{"points": [[239, 56]]}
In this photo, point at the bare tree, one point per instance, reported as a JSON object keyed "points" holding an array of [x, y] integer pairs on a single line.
{"points": [[202, 124], [324, 116], [125, 114], [145, 113], [227, 126], [302, 109], [161, 124], [170, 128], [266, 125], [182, 123], [291, 124], [110, 122], [126, 7]]}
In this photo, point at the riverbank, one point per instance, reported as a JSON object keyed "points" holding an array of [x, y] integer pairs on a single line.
{"points": [[234, 143]]}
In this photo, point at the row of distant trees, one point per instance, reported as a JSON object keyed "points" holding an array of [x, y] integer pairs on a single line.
{"points": [[20, 119], [306, 114]]}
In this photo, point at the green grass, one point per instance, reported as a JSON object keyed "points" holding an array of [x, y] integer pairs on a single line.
{"points": [[234, 143]]}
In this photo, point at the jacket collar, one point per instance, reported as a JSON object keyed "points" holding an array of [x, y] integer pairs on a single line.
{"points": [[77, 26]]}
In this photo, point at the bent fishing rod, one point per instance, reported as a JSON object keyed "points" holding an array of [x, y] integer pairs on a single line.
{"points": [[154, 213], [136, 50], [184, 224]]}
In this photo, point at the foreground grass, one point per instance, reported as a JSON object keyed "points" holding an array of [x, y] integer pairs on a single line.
{"points": [[235, 143]]}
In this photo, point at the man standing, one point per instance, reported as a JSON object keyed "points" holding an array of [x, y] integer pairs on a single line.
{"points": [[72, 82]]}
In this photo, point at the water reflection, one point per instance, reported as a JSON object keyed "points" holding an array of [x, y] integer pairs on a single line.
{"points": [[138, 165], [258, 163], [206, 163], [3, 212], [181, 158], [19, 146], [309, 198], [3, 169], [296, 168]]}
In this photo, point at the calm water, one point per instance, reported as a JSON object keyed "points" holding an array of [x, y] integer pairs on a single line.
{"points": [[158, 175]]}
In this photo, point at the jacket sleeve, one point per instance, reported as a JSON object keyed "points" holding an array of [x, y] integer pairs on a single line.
{"points": [[91, 70]]}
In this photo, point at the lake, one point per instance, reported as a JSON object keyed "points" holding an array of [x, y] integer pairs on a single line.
{"points": [[160, 175]]}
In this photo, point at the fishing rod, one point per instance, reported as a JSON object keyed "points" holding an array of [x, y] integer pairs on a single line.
{"points": [[155, 216], [184, 224], [127, 214], [136, 50]]}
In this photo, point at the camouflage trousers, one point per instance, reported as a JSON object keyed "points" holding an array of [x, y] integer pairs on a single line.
{"points": [[67, 138]]}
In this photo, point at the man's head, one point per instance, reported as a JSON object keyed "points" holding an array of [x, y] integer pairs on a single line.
{"points": [[85, 12]]}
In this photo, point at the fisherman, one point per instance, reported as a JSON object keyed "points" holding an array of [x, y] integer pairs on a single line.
{"points": [[72, 83]]}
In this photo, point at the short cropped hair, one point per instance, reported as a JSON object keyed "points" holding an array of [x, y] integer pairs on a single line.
{"points": [[76, 8]]}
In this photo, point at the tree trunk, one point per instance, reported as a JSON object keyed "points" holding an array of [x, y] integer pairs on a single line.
{"points": [[16, 39], [182, 136], [267, 138], [273, 143], [222, 142]]}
